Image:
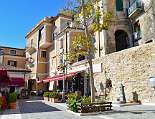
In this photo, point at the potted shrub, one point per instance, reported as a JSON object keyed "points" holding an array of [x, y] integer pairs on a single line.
{"points": [[0, 104], [53, 97], [46, 96], [72, 102], [85, 100], [12, 100]]}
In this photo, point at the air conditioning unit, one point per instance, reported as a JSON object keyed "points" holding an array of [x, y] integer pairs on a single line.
{"points": [[61, 51], [136, 35], [30, 60]]}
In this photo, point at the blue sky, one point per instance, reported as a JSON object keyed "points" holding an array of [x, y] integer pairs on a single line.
{"points": [[17, 17]]}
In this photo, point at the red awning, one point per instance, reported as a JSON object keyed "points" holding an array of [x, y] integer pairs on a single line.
{"points": [[4, 82], [17, 81], [59, 77], [4, 79], [3, 74]]}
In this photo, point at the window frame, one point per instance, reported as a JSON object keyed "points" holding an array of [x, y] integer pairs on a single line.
{"points": [[13, 53], [119, 5], [61, 43], [12, 63], [1, 51], [43, 54]]}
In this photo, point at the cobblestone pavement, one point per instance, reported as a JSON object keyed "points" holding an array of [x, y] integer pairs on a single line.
{"points": [[36, 108]]}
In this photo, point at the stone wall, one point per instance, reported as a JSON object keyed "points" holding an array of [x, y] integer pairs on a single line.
{"points": [[131, 67]]}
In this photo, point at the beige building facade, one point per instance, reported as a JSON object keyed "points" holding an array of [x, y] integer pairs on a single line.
{"points": [[12, 56], [39, 39]]}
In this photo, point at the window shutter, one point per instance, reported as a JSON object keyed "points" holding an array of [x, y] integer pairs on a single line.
{"points": [[119, 5]]}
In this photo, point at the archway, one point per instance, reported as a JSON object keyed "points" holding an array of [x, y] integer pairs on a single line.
{"points": [[121, 38]]}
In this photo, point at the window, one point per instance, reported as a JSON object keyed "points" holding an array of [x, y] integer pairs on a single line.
{"points": [[12, 63], [1, 51], [51, 62], [61, 43], [131, 2], [12, 52], [31, 42], [43, 54], [119, 5], [42, 33], [61, 61], [94, 40], [53, 36]]}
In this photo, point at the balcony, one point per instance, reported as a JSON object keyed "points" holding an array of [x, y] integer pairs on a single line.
{"points": [[135, 9], [45, 43], [30, 48]]}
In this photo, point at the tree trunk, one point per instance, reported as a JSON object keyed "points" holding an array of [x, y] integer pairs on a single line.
{"points": [[99, 44], [92, 89]]}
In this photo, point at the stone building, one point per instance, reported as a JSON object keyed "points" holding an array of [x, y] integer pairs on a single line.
{"points": [[126, 67]]}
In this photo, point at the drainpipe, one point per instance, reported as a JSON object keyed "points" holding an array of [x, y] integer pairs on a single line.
{"points": [[37, 52]]}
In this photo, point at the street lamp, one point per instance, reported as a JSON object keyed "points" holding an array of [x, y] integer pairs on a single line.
{"points": [[63, 90], [65, 64]]}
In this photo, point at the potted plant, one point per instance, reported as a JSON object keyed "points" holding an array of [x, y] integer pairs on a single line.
{"points": [[12, 100], [53, 97], [0, 104], [46, 96], [72, 102]]}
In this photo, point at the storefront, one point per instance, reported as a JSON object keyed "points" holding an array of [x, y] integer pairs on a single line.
{"points": [[74, 81], [12, 78]]}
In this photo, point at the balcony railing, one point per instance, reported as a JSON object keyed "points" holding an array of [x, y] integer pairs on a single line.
{"points": [[30, 48], [136, 8], [44, 43]]}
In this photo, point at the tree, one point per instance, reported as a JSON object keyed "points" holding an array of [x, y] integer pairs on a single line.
{"points": [[82, 45]]}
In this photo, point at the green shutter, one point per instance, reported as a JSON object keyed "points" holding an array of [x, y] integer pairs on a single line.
{"points": [[119, 5]]}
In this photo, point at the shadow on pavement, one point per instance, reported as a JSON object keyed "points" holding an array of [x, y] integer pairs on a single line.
{"points": [[35, 105], [32, 105]]}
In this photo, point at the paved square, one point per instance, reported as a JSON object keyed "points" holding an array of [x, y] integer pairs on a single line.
{"points": [[36, 108]]}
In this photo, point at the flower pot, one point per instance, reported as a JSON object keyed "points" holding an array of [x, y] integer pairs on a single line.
{"points": [[53, 100], [46, 98], [12, 105]]}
